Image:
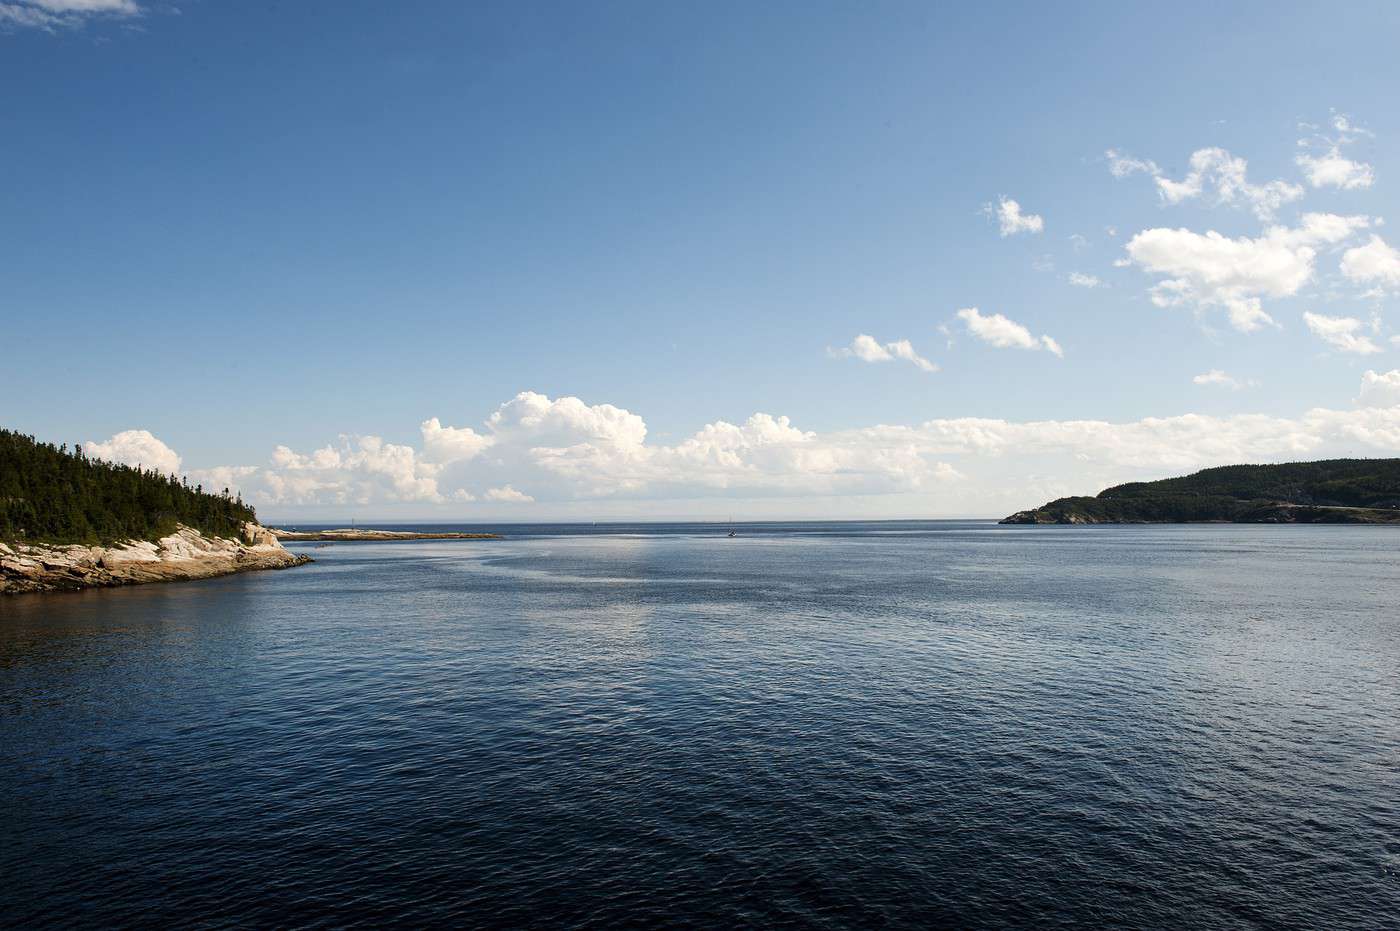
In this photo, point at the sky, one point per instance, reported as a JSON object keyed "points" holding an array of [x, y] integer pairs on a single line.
{"points": [[488, 262]]}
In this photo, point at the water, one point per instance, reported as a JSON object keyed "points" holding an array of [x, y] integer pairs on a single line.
{"points": [[820, 725]]}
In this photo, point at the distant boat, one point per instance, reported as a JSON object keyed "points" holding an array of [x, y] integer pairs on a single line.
{"points": [[731, 527]]}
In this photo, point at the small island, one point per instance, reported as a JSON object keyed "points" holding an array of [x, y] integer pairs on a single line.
{"points": [[70, 522], [360, 534], [1333, 491]]}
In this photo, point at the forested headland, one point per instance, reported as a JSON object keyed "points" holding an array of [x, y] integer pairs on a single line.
{"points": [[51, 494], [1364, 491]]}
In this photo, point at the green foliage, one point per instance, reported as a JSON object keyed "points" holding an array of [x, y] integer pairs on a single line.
{"points": [[52, 495], [1358, 483], [1294, 492]]}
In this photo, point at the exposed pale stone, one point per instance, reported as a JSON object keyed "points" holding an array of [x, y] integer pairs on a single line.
{"points": [[185, 554]]}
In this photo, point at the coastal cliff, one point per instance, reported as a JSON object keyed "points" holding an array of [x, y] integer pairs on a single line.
{"points": [[184, 554], [1334, 491]]}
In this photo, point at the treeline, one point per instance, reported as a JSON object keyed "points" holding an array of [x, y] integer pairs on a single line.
{"points": [[51, 494], [1357, 483], [1329, 491]]}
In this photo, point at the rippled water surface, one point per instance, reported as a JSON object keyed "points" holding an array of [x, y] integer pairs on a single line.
{"points": [[808, 725]]}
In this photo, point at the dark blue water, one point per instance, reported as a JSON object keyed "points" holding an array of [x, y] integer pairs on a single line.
{"points": [[831, 725]]}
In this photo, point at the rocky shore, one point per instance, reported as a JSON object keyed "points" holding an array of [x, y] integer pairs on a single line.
{"points": [[184, 554], [348, 534]]}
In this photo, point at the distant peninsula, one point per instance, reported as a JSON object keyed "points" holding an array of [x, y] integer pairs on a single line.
{"points": [[352, 534], [69, 522], [1332, 491]]}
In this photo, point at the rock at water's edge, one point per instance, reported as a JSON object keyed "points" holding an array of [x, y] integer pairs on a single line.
{"points": [[184, 554]]}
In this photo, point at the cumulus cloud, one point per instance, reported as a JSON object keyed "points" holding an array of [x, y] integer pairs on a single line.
{"points": [[1004, 333], [446, 445], [1081, 280], [136, 448], [1218, 378], [576, 450], [1010, 219], [537, 419], [222, 477], [1377, 262], [61, 14], [948, 466], [1380, 389], [869, 349], [1211, 270], [1343, 333], [356, 470], [1332, 169]]}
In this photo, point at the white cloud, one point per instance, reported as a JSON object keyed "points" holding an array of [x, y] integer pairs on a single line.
{"points": [[1010, 219], [1227, 174], [1216, 377], [1121, 166], [535, 418], [358, 470], [1342, 333], [903, 349], [136, 448], [1376, 262], [56, 14], [1004, 333], [451, 444], [507, 494], [1332, 168], [1211, 270], [1081, 280], [869, 349], [1380, 389], [941, 466], [1211, 169]]}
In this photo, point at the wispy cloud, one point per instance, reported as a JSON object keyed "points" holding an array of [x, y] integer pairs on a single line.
{"points": [[1220, 379], [1005, 333], [868, 349], [1331, 168], [1343, 333], [1011, 220], [52, 15], [1212, 169]]}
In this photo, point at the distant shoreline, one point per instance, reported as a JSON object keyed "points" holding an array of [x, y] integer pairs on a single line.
{"points": [[353, 535]]}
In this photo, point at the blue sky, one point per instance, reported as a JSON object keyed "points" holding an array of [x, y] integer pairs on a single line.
{"points": [[238, 227]]}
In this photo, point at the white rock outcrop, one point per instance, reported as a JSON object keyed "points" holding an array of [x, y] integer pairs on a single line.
{"points": [[184, 554]]}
